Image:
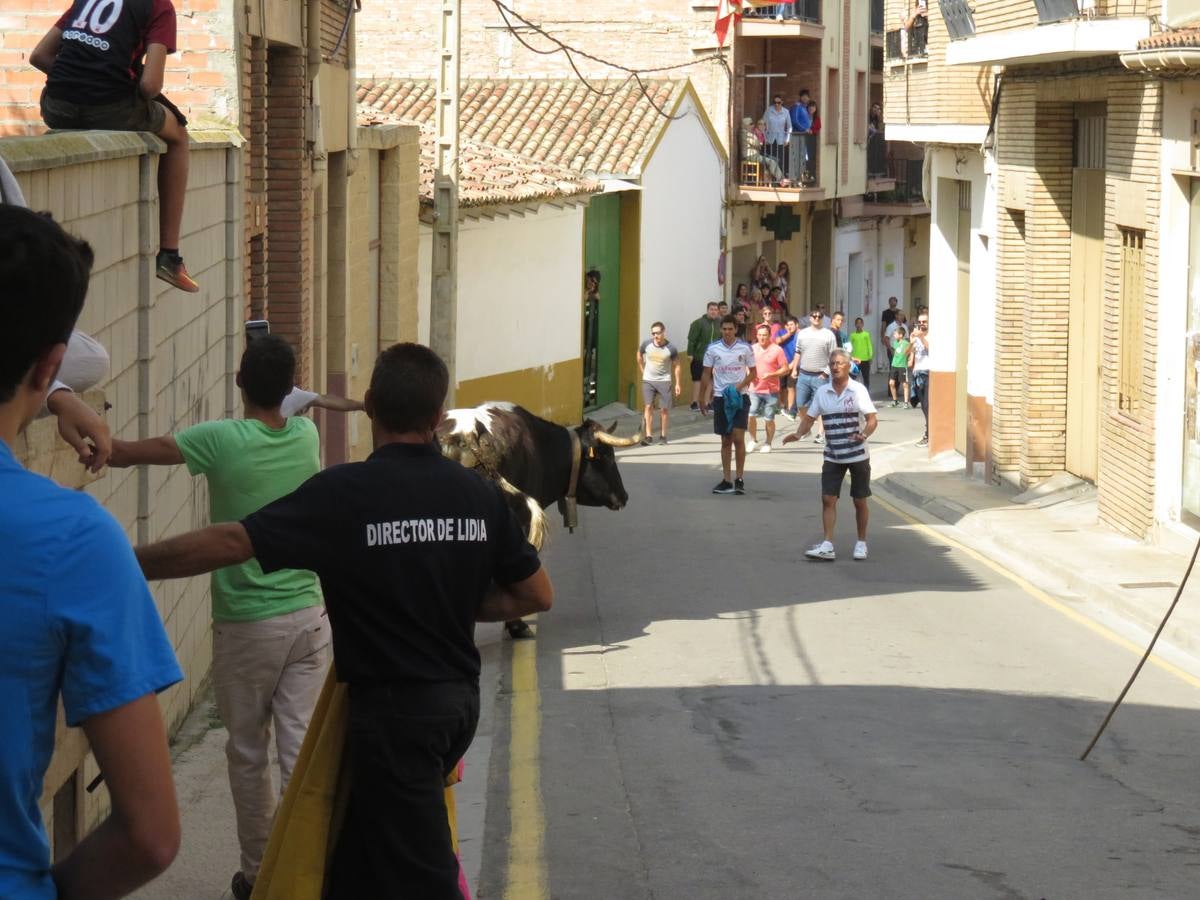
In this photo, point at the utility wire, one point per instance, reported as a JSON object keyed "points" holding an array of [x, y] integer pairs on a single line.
{"points": [[635, 75]]}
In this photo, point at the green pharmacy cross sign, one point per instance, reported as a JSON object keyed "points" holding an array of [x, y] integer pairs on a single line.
{"points": [[783, 223]]}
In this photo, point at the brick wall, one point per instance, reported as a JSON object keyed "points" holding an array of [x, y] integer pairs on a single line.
{"points": [[171, 357], [641, 33], [931, 92], [201, 77]]}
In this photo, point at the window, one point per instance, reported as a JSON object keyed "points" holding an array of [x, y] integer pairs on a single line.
{"points": [[861, 111], [833, 99], [1132, 311]]}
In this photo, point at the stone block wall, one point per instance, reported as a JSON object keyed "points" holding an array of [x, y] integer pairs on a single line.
{"points": [[172, 358]]}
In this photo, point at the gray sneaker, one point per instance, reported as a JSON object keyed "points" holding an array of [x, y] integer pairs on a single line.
{"points": [[724, 487]]}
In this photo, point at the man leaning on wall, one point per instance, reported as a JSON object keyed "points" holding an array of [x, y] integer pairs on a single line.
{"points": [[77, 622]]}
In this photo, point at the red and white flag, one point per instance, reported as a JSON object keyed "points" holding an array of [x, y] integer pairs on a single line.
{"points": [[728, 13]]}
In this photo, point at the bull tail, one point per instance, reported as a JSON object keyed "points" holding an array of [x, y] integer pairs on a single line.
{"points": [[537, 531]]}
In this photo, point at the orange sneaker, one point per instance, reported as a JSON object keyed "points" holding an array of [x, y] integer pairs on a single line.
{"points": [[170, 268]]}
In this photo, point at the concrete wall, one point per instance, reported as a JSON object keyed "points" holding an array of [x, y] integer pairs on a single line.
{"points": [[172, 355], [520, 318], [682, 192]]}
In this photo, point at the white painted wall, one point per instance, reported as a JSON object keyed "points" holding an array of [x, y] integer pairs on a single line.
{"points": [[1179, 99], [520, 284], [963, 164], [682, 190], [881, 245]]}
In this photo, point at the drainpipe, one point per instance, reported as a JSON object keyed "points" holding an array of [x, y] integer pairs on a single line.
{"points": [[352, 6]]}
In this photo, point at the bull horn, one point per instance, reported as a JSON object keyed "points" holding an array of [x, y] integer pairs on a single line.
{"points": [[605, 438]]}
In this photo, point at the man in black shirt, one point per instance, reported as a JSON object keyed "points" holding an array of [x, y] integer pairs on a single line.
{"points": [[105, 63], [412, 549]]}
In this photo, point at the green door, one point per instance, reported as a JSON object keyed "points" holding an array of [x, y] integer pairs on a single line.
{"points": [[602, 255]]}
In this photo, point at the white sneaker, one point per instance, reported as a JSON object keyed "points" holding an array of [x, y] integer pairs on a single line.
{"points": [[765, 448], [823, 550], [860, 550], [752, 446]]}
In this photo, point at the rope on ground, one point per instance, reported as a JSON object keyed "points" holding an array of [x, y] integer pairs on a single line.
{"points": [[1146, 655]]}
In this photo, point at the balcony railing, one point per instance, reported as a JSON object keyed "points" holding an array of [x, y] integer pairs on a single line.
{"points": [[800, 10], [877, 156], [796, 162]]}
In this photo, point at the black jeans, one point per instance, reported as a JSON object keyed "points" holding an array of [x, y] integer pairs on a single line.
{"points": [[402, 742]]}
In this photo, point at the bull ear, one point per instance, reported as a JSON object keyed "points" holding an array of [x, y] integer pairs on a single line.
{"points": [[612, 429]]}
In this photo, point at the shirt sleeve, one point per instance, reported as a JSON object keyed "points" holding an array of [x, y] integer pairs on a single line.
{"points": [[201, 445], [116, 649], [674, 352], [296, 401], [161, 29], [515, 558], [709, 359], [297, 531], [65, 19], [866, 405]]}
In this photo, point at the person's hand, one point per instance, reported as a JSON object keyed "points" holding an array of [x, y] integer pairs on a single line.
{"points": [[82, 428], [791, 438], [858, 437], [678, 388]]}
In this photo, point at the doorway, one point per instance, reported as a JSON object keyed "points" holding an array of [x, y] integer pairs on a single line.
{"points": [[962, 335], [1084, 325], [601, 299], [1191, 421]]}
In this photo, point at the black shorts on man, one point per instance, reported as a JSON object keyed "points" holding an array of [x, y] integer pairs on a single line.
{"points": [[697, 369], [898, 375], [740, 418], [834, 473]]}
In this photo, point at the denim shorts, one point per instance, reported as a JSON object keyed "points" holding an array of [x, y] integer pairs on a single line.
{"points": [[806, 389], [765, 405]]}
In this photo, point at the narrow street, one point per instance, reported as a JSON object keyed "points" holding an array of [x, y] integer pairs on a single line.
{"points": [[714, 717]]}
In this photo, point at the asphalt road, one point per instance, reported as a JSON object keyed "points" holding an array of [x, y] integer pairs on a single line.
{"points": [[714, 717]]}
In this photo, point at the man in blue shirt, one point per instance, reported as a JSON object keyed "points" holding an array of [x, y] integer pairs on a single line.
{"points": [[77, 620], [802, 132]]}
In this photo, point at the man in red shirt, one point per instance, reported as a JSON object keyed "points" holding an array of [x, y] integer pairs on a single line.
{"points": [[97, 79], [770, 362]]}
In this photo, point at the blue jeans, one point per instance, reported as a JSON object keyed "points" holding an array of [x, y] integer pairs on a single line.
{"points": [[806, 389]]}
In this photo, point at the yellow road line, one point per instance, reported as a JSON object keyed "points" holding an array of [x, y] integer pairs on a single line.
{"points": [[1042, 597], [527, 875]]}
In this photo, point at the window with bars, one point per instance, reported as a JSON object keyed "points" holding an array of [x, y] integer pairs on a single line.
{"points": [[1133, 321]]}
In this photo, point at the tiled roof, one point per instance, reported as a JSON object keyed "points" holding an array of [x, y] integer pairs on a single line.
{"points": [[1182, 37], [489, 176], [550, 120]]}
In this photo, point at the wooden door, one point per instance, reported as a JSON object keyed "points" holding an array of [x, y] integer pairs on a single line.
{"points": [[1084, 324]]}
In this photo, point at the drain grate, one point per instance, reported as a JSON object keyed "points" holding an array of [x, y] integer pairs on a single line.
{"points": [[1139, 585]]}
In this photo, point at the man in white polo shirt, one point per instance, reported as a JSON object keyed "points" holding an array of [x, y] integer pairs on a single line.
{"points": [[850, 419], [729, 363]]}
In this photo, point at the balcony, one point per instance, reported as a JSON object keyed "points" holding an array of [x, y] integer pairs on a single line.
{"points": [[907, 45], [781, 171], [1065, 30], [799, 19], [879, 172]]}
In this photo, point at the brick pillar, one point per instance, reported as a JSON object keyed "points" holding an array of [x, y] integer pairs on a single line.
{"points": [[254, 126], [289, 187], [1048, 230]]}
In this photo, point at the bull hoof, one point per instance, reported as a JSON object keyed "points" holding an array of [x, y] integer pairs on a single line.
{"points": [[518, 630]]}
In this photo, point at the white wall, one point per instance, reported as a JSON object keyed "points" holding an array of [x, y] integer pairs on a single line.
{"points": [[520, 284], [682, 191], [424, 282], [964, 165], [1179, 99], [881, 245]]}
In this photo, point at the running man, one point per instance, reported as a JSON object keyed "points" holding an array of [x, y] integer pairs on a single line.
{"points": [[729, 363], [850, 419], [813, 346], [770, 362], [657, 358]]}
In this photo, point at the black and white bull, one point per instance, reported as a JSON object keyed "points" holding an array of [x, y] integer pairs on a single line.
{"points": [[537, 463]]}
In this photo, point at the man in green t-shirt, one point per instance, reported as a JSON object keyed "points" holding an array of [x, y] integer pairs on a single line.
{"points": [[270, 635]]}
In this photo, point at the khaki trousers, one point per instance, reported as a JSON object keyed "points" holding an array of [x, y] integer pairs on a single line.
{"points": [[265, 672]]}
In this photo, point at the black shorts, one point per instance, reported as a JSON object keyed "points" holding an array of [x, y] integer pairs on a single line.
{"points": [[697, 367], [785, 382], [898, 375], [740, 418], [834, 473], [134, 114]]}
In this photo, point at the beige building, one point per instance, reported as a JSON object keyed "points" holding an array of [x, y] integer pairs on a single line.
{"points": [[1077, 202]]}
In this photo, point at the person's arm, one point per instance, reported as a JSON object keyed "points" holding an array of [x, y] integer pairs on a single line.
{"points": [[82, 428], [867, 430], [337, 404], [159, 451], [151, 83], [140, 838], [781, 371], [641, 363], [706, 379], [46, 51], [505, 602], [803, 428], [678, 385], [751, 377], [196, 552]]}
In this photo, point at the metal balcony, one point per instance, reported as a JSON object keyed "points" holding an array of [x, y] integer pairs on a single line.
{"points": [[800, 10]]}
